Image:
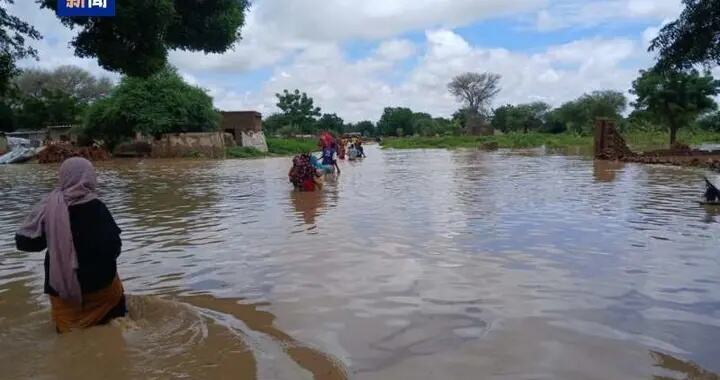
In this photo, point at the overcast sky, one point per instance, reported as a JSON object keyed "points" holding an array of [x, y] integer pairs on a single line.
{"points": [[357, 57]]}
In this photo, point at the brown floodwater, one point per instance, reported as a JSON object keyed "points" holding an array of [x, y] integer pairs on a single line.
{"points": [[419, 264]]}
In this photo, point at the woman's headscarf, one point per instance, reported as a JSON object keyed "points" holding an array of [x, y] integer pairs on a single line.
{"points": [[76, 186]]}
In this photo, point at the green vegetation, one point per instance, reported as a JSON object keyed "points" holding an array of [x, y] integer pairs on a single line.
{"points": [[675, 98], [692, 39], [638, 140], [289, 147], [136, 41], [510, 140], [163, 103], [243, 152], [276, 147], [13, 36]]}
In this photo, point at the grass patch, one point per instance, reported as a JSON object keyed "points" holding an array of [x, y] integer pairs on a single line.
{"points": [[276, 147], [510, 140], [639, 141], [243, 152], [647, 141], [290, 147]]}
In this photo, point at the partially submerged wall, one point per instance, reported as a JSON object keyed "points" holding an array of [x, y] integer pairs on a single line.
{"points": [[3, 144], [254, 140], [207, 145], [610, 145], [246, 128]]}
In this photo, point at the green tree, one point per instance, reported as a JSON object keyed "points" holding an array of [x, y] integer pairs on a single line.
{"points": [[7, 117], [273, 123], [73, 80], [691, 39], [396, 121], [298, 109], [476, 91], [578, 116], [136, 41], [332, 123], [47, 108], [675, 98], [162, 103], [523, 117], [710, 122], [14, 34], [366, 127]]}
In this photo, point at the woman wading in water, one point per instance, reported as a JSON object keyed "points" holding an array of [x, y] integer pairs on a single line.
{"points": [[83, 244]]}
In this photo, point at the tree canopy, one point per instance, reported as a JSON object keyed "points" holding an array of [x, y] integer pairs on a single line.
{"points": [[331, 122], [675, 98], [136, 41], [694, 38], [298, 110], [14, 34], [72, 80], [475, 90], [162, 103], [578, 116], [522, 117]]}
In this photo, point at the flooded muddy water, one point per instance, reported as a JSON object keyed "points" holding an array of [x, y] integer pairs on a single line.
{"points": [[411, 265]]}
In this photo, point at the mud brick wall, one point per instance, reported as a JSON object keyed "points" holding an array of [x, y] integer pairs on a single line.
{"points": [[609, 144], [207, 145]]}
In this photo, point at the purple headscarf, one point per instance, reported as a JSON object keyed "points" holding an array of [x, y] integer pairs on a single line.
{"points": [[76, 186]]}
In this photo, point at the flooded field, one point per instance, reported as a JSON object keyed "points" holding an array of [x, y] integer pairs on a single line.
{"points": [[411, 265]]}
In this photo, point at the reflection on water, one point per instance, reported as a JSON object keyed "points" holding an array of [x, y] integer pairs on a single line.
{"points": [[410, 265]]}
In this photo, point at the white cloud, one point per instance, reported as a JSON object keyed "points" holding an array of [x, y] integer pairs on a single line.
{"points": [[396, 50], [583, 13], [301, 43], [358, 90]]}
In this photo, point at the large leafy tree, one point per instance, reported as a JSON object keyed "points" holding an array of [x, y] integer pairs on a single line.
{"points": [[675, 98], [298, 110], [475, 90], [14, 35], [397, 121], [331, 122], [162, 103], [691, 39], [48, 107], [522, 117], [136, 41], [578, 116], [72, 80]]}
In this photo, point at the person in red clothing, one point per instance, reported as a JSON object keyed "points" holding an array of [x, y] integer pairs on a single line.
{"points": [[303, 175]]}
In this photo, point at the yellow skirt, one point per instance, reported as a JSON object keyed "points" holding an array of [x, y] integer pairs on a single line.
{"points": [[94, 309]]}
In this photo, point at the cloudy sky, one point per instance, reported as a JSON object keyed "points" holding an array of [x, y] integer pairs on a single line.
{"points": [[357, 57]]}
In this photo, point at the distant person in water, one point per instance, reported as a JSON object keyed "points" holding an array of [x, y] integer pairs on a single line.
{"points": [[303, 175], [342, 149], [360, 149], [83, 244], [712, 194], [352, 153], [328, 157]]}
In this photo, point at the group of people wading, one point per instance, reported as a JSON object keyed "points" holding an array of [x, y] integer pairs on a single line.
{"points": [[82, 240], [307, 169]]}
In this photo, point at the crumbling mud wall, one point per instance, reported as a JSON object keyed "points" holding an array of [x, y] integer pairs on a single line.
{"points": [[610, 145], [204, 145], [254, 140], [3, 144], [59, 152]]}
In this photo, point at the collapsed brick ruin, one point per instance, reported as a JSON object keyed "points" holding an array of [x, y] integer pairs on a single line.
{"points": [[59, 152], [610, 145]]}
